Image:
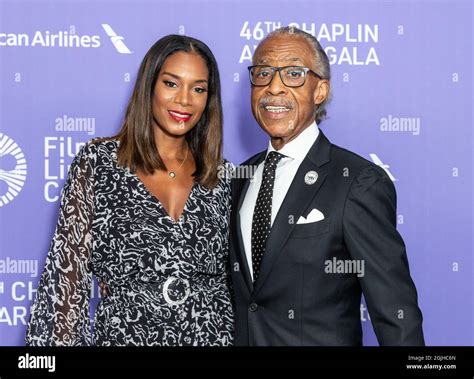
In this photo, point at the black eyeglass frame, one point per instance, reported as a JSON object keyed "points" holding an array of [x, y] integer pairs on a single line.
{"points": [[305, 69]]}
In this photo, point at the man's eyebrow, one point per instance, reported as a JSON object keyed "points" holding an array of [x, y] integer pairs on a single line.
{"points": [[179, 77]]}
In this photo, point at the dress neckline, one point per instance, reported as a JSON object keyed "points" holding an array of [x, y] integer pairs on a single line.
{"points": [[154, 198], [157, 200]]}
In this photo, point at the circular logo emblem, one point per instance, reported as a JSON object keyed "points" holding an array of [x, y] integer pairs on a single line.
{"points": [[311, 177], [13, 178]]}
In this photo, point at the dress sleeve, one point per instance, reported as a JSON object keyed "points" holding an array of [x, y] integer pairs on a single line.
{"points": [[60, 313]]}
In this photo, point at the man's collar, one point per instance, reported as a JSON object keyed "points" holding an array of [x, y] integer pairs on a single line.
{"points": [[299, 147]]}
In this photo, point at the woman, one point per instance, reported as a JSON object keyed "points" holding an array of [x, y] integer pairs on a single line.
{"points": [[146, 213]]}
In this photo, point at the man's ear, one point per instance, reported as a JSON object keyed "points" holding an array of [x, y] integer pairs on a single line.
{"points": [[321, 92]]}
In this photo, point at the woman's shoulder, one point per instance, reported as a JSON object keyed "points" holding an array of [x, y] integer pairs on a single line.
{"points": [[224, 174], [103, 145], [228, 164], [97, 151], [225, 170]]}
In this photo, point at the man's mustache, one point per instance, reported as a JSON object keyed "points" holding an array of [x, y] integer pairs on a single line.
{"points": [[275, 102]]}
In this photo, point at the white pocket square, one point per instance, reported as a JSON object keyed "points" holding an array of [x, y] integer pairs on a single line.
{"points": [[314, 216]]}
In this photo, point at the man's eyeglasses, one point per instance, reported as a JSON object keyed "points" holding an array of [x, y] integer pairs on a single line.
{"points": [[291, 76]]}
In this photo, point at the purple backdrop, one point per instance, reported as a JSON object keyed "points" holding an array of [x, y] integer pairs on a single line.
{"points": [[402, 97]]}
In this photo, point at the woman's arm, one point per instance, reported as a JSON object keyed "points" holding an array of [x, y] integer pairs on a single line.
{"points": [[60, 314]]}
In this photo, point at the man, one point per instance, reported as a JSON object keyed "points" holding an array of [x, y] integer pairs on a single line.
{"points": [[315, 227]]}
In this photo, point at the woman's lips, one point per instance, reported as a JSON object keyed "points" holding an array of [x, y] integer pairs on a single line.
{"points": [[180, 116]]}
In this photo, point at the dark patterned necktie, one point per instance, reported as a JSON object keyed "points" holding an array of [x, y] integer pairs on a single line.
{"points": [[261, 221]]}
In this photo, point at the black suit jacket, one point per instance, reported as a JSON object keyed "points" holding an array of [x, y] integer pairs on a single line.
{"points": [[295, 301]]}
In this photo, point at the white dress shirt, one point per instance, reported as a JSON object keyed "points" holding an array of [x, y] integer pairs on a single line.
{"points": [[294, 153]]}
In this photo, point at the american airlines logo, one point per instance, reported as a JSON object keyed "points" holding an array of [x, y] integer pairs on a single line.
{"points": [[116, 40], [62, 39], [379, 163], [14, 179]]}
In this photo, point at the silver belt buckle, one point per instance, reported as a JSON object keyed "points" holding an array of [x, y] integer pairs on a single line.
{"points": [[173, 298]]}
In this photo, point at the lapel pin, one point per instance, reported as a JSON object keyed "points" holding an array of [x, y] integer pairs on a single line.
{"points": [[311, 177]]}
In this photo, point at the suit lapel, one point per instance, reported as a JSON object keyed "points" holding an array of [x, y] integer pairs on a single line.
{"points": [[296, 201]]}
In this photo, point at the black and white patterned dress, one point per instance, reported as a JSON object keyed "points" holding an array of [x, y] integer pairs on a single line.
{"points": [[168, 281]]}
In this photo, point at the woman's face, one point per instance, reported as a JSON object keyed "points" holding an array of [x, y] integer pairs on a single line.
{"points": [[180, 93]]}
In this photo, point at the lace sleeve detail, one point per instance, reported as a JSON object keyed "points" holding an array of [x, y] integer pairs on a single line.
{"points": [[60, 313]]}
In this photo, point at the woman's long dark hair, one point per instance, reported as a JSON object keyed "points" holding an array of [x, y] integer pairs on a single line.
{"points": [[137, 149]]}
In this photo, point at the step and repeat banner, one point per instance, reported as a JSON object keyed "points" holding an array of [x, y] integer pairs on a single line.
{"points": [[402, 98]]}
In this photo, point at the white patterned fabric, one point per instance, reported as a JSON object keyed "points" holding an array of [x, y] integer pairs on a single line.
{"points": [[168, 281]]}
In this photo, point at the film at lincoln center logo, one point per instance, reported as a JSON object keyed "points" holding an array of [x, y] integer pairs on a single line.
{"points": [[14, 179]]}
